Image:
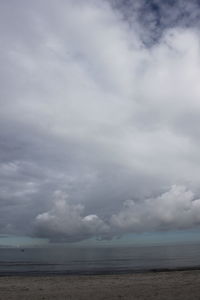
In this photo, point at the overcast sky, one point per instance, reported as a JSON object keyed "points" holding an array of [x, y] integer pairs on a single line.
{"points": [[99, 118]]}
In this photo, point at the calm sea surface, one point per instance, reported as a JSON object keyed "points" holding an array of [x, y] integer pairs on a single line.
{"points": [[97, 260]]}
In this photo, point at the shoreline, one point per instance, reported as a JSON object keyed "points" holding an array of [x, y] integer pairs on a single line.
{"points": [[96, 272]]}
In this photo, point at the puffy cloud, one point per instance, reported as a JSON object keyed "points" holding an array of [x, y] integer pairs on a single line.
{"points": [[91, 107], [176, 208], [65, 222]]}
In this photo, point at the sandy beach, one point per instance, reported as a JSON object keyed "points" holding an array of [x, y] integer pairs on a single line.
{"points": [[153, 285]]}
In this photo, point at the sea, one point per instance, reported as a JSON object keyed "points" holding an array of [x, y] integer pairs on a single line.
{"points": [[98, 260]]}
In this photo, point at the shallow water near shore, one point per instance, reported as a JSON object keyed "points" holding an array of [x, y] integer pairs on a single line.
{"points": [[90, 260]]}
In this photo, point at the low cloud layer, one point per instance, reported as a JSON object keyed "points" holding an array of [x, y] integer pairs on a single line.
{"points": [[66, 222], [99, 119], [175, 209]]}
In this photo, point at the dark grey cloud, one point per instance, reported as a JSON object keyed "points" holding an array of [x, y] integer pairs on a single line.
{"points": [[98, 124], [156, 16]]}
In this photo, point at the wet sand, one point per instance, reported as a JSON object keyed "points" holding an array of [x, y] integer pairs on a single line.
{"points": [[153, 285]]}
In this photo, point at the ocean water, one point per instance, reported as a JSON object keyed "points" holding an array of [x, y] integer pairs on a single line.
{"points": [[91, 260]]}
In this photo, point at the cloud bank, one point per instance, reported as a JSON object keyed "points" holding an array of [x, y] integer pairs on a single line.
{"points": [[99, 119]]}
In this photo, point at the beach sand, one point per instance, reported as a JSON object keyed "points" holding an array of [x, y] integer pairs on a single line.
{"points": [[153, 285]]}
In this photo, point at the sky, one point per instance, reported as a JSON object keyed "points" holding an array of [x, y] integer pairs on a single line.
{"points": [[99, 118]]}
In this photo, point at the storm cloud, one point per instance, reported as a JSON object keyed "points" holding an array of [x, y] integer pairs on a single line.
{"points": [[99, 119]]}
